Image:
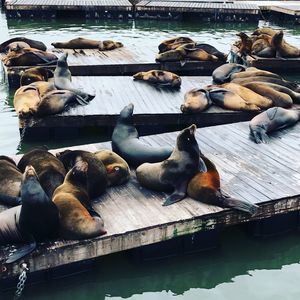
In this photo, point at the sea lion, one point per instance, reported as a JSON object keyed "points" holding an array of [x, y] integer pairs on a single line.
{"points": [[35, 220], [72, 201], [32, 43], [195, 100], [10, 181], [35, 74], [96, 174], [223, 73], [236, 97], [29, 57], [50, 170], [26, 100], [282, 48], [200, 55], [175, 172], [43, 87], [262, 42], [246, 44], [270, 120], [264, 30], [17, 46], [278, 98], [253, 72], [173, 43], [159, 77], [291, 85], [212, 50], [205, 187], [126, 142], [117, 169], [62, 81], [110, 45], [171, 55]]}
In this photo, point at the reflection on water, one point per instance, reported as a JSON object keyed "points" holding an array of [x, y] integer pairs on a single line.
{"points": [[242, 268]]}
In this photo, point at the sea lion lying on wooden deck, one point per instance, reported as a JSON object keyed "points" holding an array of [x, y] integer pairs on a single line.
{"points": [[4, 47]]}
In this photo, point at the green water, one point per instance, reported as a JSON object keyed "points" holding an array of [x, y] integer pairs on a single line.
{"points": [[242, 268]]}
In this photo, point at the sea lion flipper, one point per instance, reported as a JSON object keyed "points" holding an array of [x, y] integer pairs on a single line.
{"points": [[21, 252], [178, 194], [81, 100], [9, 200]]}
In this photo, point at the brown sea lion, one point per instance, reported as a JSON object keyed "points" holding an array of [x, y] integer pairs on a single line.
{"points": [[29, 57], [110, 45], [159, 77], [223, 73], [26, 100], [17, 46], [282, 48], [195, 100], [253, 72], [270, 120], [117, 169], [262, 42], [43, 87], [173, 43], [72, 201], [35, 74], [246, 44], [96, 175], [49, 169], [212, 50], [32, 43], [205, 187], [279, 99], [264, 30], [10, 181], [175, 172], [171, 55], [194, 53]]}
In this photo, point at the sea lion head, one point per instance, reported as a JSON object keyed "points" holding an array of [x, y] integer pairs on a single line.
{"points": [[195, 101], [57, 45], [29, 172], [127, 112], [139, 75], [186, 139], [62, 61], [242, 35]]}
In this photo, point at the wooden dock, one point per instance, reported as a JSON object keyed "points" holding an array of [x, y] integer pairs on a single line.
{"points": [[265, 174], [121, 61], [154, 107], [288, 66]]}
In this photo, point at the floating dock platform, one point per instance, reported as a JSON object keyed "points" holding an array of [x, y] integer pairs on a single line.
{"points": [[265, 174], [156, 109], [288, 66], [121, 61]]}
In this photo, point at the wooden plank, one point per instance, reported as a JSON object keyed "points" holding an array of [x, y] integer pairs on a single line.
{"points": [[134, 216]]}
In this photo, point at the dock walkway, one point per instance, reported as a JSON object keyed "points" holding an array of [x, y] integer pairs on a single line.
{"points": [[266, 174]]}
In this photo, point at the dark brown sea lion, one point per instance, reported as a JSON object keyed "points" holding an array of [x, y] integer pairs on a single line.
{"points": [[175, 172], [236, 97], [26, 100], [35, 74], [96, 174], [10, 182], [246, 44], [117, 169], [223, 73], [62, 81], [195, 100], [159, 77], [173, 43], [29, 57], [72, 201], [49, 169], [126, 142], [270, 120], [279, 99], [32, 43], [282, 48], [205, 187], [35, 220]]}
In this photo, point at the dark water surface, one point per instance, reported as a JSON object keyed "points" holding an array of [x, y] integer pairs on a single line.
{"points": [[242, 268]]}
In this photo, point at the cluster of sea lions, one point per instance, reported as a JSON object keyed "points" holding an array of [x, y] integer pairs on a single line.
{"points": [[21, 51], [47, 95], [184, 48], [237, 87], [51, 196], [266, 42]]}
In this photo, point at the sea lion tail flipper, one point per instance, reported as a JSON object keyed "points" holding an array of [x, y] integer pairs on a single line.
{"points": [[81, 100], [21, 252], [10, 200], [182, 63], [227, 201]]}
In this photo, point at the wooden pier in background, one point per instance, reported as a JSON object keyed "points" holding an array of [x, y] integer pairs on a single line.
{"points": [[265, 174], [121, 61], [153, 106]]}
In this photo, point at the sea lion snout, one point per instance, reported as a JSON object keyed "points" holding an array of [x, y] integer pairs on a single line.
{"points": [[127, 111], [29, 171], [192, 129]]}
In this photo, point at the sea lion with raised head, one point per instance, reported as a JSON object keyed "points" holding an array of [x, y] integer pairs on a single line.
{"points": [[159, 77], [175, 172], [77, 221], [271, 120], [117, 169], [246, 44], [32, 43], [126, 142], [35, 74], [195, 100], [223, 73], [206, 187], [282, 48]]}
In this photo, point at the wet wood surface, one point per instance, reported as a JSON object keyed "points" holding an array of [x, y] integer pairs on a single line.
{"points": [[266, 174]]}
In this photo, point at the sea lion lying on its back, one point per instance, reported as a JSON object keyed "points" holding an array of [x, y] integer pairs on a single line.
{"points": [[270, 120]]}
